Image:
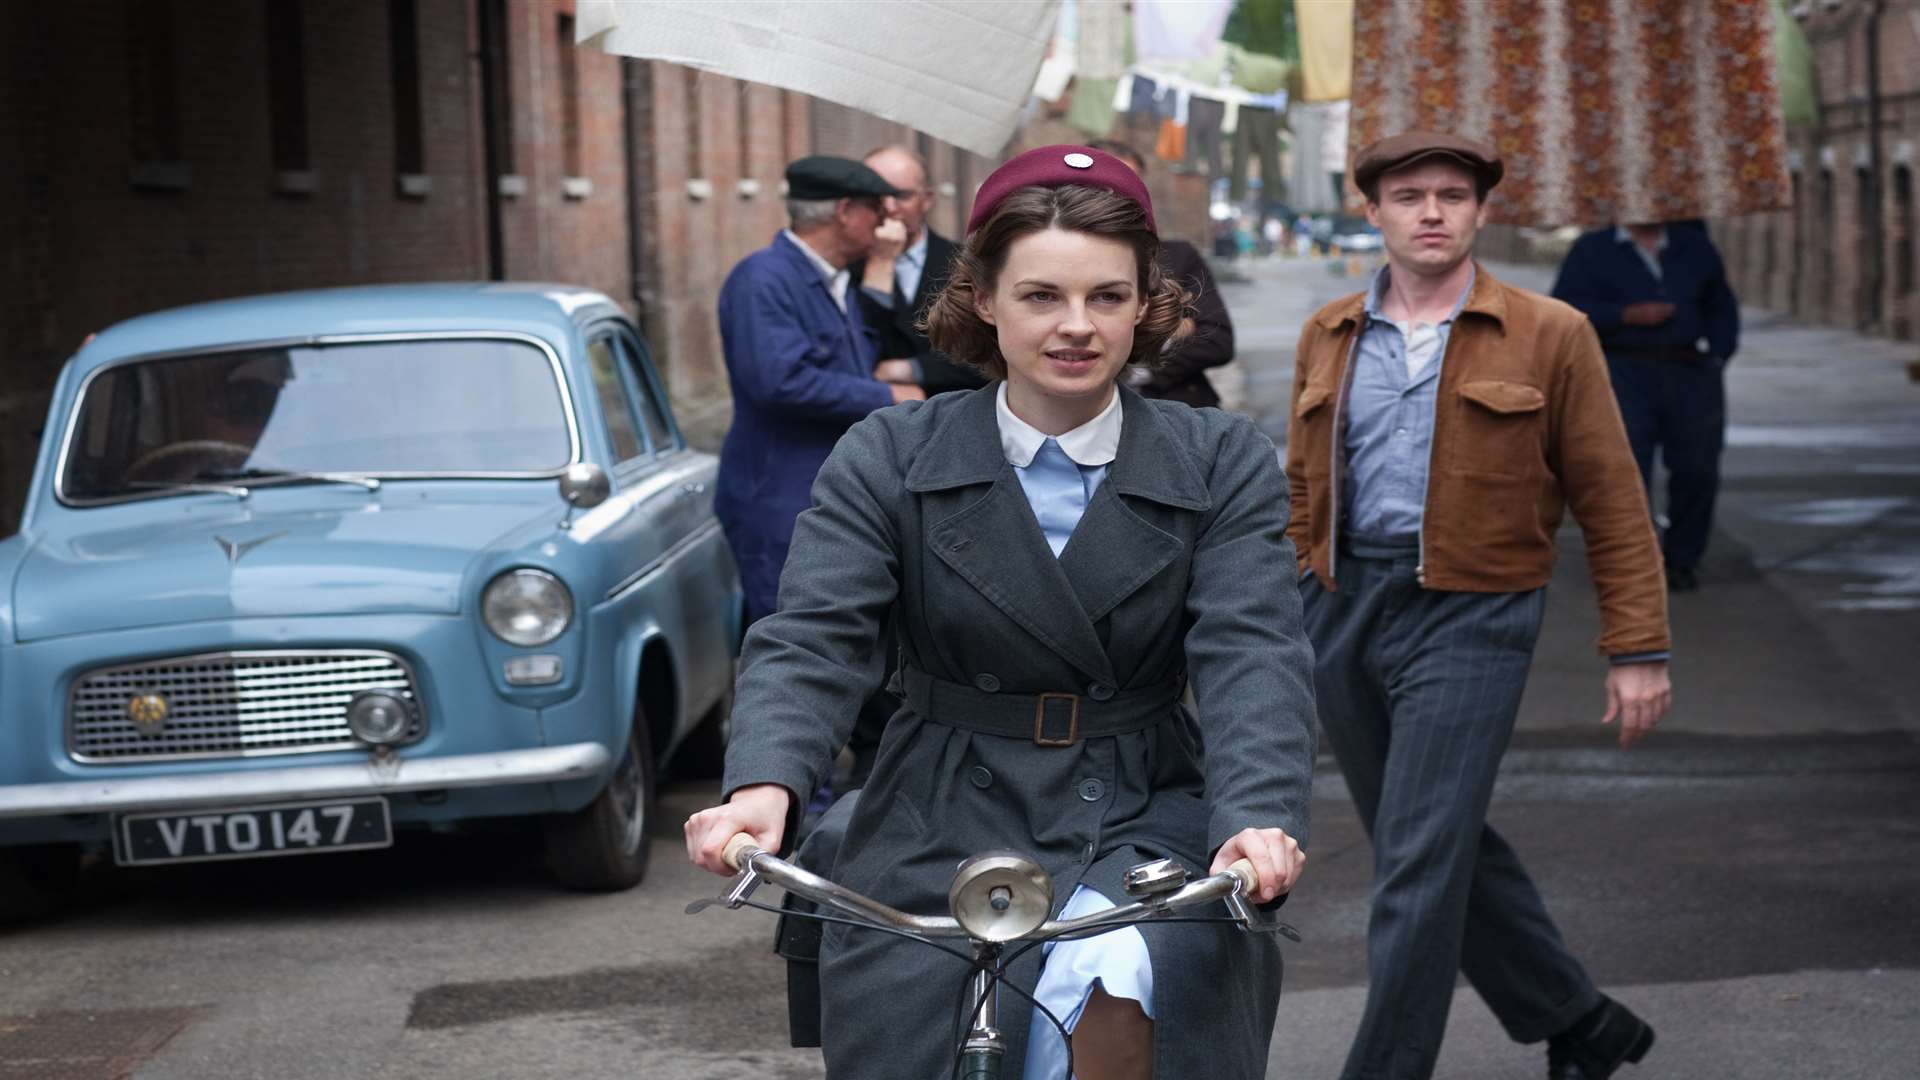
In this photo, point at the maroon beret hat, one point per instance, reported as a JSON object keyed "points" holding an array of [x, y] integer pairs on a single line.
{"points": [[1409, 147], [1059, 166]]}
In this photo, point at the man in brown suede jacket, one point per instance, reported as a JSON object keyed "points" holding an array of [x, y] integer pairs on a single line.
{"points": [[1443, 424]]}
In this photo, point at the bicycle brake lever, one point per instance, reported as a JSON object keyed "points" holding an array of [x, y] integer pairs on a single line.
{"points": [[737, 893], [1243, 914]]}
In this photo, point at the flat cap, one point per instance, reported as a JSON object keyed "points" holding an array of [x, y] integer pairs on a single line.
{"points": [[1400, 151], [1060, 166], [824, 177]]}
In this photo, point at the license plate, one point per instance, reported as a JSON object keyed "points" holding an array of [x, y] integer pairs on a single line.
{"points": [[252, 832]]}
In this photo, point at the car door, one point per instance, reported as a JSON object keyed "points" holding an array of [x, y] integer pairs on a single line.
{"points": [[673, 567]]}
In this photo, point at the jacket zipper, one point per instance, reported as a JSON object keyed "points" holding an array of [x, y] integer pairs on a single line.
{"points": [[1433, 440]]}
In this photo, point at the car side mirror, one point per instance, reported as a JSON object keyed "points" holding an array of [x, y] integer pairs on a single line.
{"points": [[584, 486]]}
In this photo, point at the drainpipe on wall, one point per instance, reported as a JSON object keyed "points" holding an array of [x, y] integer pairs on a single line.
{"points": [[1873, 311], [493, 31], [636, 104]]}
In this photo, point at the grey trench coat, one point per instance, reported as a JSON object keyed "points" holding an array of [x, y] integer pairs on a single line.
{"points": [[1180, 565]]}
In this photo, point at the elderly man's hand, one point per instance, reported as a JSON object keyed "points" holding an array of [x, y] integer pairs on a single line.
{"points": [[1639, 695], [889, 240], [894, 371], [1647, 313]]}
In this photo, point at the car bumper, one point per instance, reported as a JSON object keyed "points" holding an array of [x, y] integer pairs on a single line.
{"points": [[550, 764]]}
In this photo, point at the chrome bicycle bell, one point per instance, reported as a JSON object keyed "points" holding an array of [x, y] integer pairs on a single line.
{"points": [[1154, 878], [998, 896]]}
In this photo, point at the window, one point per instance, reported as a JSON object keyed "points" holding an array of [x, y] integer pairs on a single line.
{"points": [[446, 407], [154, 106], [403, 41], [287, 84], [609, 388], [569, 99], [653, 412]]}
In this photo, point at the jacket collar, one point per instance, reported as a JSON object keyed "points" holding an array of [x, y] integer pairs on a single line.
{"points": [[801, 262], [1487, 297], [1152, 463]]}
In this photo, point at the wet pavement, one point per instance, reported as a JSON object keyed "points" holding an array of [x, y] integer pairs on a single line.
{"points": [[1744, 880]]}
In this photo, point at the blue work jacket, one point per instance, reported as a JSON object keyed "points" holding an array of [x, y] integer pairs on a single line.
{"points": [[801, 371], [1602, 275]]}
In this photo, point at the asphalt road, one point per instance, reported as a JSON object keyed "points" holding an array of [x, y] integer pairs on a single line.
{"points": [[1745, 881]]}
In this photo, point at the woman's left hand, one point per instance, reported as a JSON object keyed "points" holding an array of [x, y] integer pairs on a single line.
{"points": [[1276, 858]]}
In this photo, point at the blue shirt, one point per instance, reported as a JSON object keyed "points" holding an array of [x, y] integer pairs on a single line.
{"points": [[1389, 426]]}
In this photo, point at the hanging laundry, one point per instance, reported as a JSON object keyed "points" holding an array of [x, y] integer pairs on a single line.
{"points": [[1257, 135], [1101, 45], [1171, 146], [1178, 29], [1326, 44], [1204, 118], [1592, 130], [1092, 108]]}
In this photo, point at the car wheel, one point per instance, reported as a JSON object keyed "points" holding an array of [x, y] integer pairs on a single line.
{"points": [[703, 754], [36, 881], [603, 847]]}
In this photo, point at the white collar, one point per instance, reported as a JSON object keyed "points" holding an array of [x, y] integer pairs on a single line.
{"points": [[1095, 442], [833, 275], [1622, 236]]}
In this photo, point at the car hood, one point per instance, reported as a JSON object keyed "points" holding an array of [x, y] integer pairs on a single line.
{"points": [[241, 563]]}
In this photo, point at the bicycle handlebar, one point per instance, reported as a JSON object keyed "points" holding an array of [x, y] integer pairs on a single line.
{"points": [[742, 852]]}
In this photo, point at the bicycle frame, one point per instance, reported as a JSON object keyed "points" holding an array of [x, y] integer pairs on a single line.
{"points": [[1163, 891]]}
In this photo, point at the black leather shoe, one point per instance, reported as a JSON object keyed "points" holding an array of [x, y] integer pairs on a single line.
{"points": [[1682, 578], [1608, 1037]]}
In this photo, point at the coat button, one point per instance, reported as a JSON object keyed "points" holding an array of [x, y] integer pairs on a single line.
{"points": [[981, 777], [987, 681], [1091, 790], [1099, 691]]}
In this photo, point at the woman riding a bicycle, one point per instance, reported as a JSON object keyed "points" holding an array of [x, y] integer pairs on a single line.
{"points": [[1061, 559]]}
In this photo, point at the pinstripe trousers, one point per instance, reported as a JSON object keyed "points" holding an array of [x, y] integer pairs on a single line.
{"points": [[1418, 692]]}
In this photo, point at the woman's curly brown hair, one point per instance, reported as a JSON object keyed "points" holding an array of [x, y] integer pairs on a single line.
{"points": [[956, 328]]}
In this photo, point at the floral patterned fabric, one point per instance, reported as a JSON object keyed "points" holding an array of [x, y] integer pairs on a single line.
{"points": [[1604, 110]]}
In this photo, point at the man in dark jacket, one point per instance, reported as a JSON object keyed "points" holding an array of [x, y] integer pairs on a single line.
{"points": [[905, 271], [1181, 375], [799, 360], [1658, 295]]}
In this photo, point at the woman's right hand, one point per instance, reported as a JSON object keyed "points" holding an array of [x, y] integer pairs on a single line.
{"points": [[759, 810]]}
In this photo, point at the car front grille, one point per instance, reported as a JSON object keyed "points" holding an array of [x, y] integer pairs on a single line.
{"points": [[229, 704]]}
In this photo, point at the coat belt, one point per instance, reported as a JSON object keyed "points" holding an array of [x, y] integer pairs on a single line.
{"points": [[1049, 719]]}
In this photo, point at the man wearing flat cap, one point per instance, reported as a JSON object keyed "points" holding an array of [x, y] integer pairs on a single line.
{"points": [[800, 362], [1443, 423]]}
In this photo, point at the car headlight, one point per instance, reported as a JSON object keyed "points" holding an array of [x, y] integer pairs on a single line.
{"points": [[526, 607]]}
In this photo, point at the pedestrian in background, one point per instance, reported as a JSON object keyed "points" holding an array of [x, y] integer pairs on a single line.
{"points": [[1181, 374], [906, 269], [1442, 423], [800, 362], [1669, 322]]}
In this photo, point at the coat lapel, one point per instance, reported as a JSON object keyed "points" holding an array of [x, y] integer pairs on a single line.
{"points": [[990, 537], [1114, 551]]}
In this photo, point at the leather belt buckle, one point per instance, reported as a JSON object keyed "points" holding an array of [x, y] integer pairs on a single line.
{"points": [[1040, 720]]}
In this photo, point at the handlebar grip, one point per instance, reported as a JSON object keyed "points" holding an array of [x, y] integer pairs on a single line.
{"points": [[1249, 877], [738, 850]]}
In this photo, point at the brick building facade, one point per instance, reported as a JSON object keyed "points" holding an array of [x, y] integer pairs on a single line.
{"points": [[161, 152], [1816, 260]]}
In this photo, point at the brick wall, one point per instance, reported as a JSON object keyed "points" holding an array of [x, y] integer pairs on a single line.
{"points": [[1812, 259], [91, 246]]}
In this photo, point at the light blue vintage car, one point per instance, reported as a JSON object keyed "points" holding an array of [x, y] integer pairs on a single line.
{"points": [[297, 570]]}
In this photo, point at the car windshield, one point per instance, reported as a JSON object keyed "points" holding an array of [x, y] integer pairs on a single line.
{"points": [[441, 407], [1351, 226]]}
